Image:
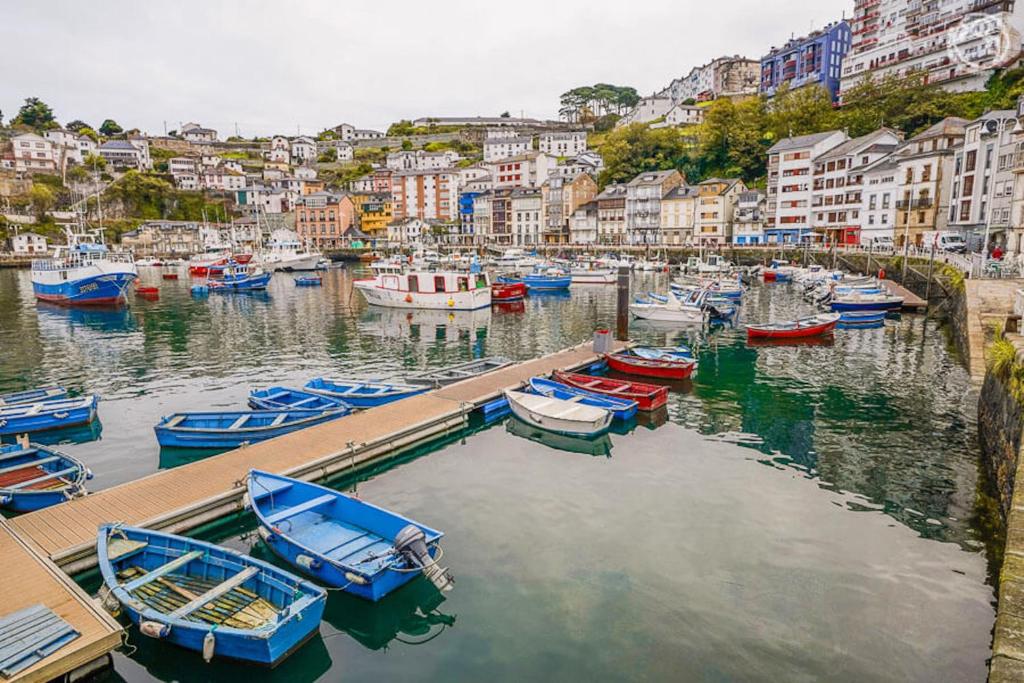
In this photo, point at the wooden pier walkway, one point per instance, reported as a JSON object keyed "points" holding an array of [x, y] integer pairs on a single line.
{"points": [[191, 495], [911, 301], [30, 579]]}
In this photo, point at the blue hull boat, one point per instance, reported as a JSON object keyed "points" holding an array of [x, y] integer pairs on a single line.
{"points": [[284, 398], [308, 281], [23, 418], [363, 394], [867, 304], [244, 284], [341, 541], [33, 395], [97, 290], [547, 282], [33, 477], [857, 318], [206, 598], [231, 430], [621, 409]]}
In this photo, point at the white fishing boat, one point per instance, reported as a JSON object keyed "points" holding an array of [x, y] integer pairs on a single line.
{"points": [[448, 290], [516, 259], [83, 272], [558, 415], [286, 252], [587, 274], [673, 309]]}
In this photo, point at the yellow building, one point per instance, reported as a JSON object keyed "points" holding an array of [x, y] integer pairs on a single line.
{"points": [[374, 211]]}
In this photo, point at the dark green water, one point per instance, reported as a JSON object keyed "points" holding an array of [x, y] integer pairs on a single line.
{"points": [[800, 514]]}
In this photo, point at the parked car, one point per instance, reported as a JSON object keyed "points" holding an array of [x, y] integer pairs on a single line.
{"points": [[944, 241]]}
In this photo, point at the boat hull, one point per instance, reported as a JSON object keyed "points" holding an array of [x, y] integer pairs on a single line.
{"points": [[648, 397], [887, 305], [363, 399], [622, 409], [213, 438], [470, 300], [503, 292], [660, 313], [32, 395], [570, 427], [546, 284], [83, 412], [93, 290], [768, 332], [19, 494], [649, 368]]}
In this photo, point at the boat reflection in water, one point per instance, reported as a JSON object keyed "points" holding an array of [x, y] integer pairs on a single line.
{"points": [[171, 457], [826, 340], [99, 318], [70, 435], [601, 445], [652, 419], [431, 324], [410, 616], [507, 307]]}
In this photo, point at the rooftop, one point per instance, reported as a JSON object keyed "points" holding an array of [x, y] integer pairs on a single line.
{"points": [[801, 141]]}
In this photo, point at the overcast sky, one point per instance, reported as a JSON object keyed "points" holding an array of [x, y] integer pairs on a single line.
{"points": [[274, 66]]}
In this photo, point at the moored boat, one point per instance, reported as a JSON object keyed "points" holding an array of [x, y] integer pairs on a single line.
{"points": [[32, 395], [285, 398], [342, 541], [206, 598], [673, 310], [33, 477], [238, 277], [592, 276], [810, 326], [233, 429], [285, 251], [865, 301], [549, 279], [587, 445], [631, 364], [23, 418], [360, 394], [309, 281], [621, 408], [862, 318], [557, 415], [503, 292], [448, 290], [680, 352], [170, 276], [457, 373], [84, 272], [648, 397]]}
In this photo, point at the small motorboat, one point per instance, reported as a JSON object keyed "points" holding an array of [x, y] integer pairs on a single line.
{"points": [[309, 281], [22, 418], [862, 318], [866, 301], [206, 598], [547, 280], [146, 290], [647, 396], [621, 408], [632, 364], [237, 277], [33, 477], [32, 395], [811, 326], [284, 398], [360, 394], [504, 292], [558, 415], [170, 276], [593, 276], [233, 429], [457, 373], [342, 541]]}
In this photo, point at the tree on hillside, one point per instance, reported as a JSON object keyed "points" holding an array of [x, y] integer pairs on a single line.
{"points": [[43, 199], [732, 141], [35, 114], [800, 112], [596, 101], [110, 127], [633, 149], [77, 125], [406, 145], [906, 104], [89, 133], [95, 161], [403, 127]]}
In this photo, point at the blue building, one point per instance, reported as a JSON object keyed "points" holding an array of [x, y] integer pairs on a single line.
{"points": [[466, 212], [816, 59]]}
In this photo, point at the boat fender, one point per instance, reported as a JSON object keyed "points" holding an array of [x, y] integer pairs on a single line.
{"points": [[307, 562], [451, 303], [355, 578], [5, 500], [881, 273], [266, 535], [408, 298], [88, 473], [209, 643], [155, 629]]}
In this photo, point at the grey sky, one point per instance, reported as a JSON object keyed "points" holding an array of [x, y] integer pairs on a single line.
{"points": [[272, 66]]}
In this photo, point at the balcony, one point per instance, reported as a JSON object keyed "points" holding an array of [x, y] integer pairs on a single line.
{"points": [[920, 203]]}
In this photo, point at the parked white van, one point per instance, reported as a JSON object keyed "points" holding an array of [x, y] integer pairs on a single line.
{"points": [[944, 241]]}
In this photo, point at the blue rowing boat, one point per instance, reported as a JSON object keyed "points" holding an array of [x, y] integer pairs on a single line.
{"points": [[862, 318], [32, 395], [285, 398], [363, 394], [621, 408], [341, 541], [33, 477], [206, 598], [309, 281], [547, 280], [233, 429], [22, 418]]}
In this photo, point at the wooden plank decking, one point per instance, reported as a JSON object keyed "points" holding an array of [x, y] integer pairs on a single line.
{"points": [[911, 301], [31, 579], [188, 496]]}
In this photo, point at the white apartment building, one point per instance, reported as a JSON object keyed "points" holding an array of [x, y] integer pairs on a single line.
{"points": [[425, 194], [563, 144], [790, 164], [302, 150], [28, 243], [982, 190], [496, 149], [879, 193], [837, 192], [67, 147], [527, 217], [179, 165], [32, 153], [648, 109], [924, 177], [526, 170], [419, 160], [682, 115], [501, 134], [643, 204], [188, 180], [722, 77], [611, 215], [748, 218]]}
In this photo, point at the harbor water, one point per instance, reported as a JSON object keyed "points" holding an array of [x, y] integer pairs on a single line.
{"points": [[798, 513]]}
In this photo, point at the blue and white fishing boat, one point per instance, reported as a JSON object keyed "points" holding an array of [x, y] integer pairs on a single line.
{"points": [[206, 598], [285, 398], [547, 280], [238, 277], [32, 395], [866, 301], [341, 541], [621, 408], [23, 418], [83, 272], [233, 429], [33, 477], [361, 394]]}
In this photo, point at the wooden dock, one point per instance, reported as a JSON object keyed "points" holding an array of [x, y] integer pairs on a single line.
{"points": [[29, 578], [185, 497], [911, 301]]}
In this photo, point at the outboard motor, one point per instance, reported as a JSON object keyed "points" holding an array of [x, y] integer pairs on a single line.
{"points": [[411, 542]]}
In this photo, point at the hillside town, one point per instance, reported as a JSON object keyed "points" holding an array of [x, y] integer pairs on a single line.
{"points": [[509, 181]]}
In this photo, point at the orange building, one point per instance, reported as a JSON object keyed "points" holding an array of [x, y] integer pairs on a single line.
{"points": [[322, 218]]}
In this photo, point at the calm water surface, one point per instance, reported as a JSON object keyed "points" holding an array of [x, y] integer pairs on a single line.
{"points": [[800, 513]]}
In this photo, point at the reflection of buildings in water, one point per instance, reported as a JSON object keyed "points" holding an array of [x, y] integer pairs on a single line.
{"points": [[426, 325]]}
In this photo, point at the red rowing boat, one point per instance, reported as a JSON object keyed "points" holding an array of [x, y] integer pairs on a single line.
{"points": [[635, 365], [170, 276], [811, 326], [507, 291], [647, 396]]}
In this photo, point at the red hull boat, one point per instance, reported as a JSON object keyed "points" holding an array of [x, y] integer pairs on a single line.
{"points": [[812, 326], [170, 276], [634, 365], [647, 396], [503, 292]]}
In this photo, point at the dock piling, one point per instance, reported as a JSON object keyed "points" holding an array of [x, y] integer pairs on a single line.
{"points": [[622, 305]]}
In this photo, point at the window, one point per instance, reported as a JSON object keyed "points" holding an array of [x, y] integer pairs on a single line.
{"points": [[972, 161], [414, 283], [439, 283]]}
